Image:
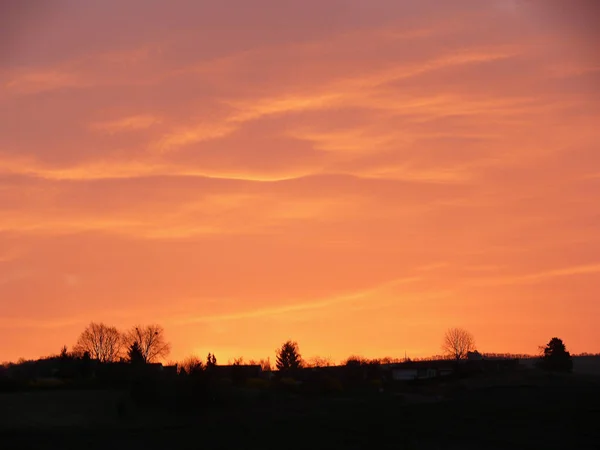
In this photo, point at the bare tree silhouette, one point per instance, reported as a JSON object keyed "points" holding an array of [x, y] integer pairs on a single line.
{"points": [[458, 342], [100, 341], [319, 361], [191, 365], [288, 356], [265, 364], [151, 341]]}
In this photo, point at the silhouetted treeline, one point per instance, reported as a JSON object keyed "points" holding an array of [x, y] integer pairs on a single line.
{"points": [[104, 358]]}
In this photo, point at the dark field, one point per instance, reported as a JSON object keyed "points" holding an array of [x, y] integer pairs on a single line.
{"points": [[558, 412]]}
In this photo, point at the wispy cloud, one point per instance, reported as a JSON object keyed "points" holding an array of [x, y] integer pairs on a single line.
{"points": [[304, 305], [348, 91], [33, 82], [191, 135], [208, 216], [130, 123], [57, 324], [433, 266], [350, 141], [345, 92], [537, 277], [124, 169], [405, 172]]}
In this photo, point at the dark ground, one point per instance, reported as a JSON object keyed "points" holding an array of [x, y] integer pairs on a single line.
{"points": [[548, 413]]}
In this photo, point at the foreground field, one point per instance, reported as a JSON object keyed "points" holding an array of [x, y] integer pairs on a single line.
{"points": [[556, 413]]}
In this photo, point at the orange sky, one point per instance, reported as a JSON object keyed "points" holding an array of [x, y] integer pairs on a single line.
{"points": [[357, 176]]}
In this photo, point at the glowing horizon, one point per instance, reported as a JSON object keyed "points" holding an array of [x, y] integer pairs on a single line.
{"points": [[355, 176]]}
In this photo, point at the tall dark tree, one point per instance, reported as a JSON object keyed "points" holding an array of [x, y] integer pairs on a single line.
{"points": [[288, 357], [64, 353], [556, 357], [135, 354]]}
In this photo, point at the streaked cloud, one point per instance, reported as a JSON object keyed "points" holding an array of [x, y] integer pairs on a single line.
{"points": [[193, 135], [131, 123], [32, 82], [537, 277], [301, 305], [132, 169]]}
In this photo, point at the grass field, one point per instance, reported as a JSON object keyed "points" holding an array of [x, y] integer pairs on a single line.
{"points": [[561, 412]]}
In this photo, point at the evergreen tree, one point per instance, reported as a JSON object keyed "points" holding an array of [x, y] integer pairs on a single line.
{"points": [[135, 354], [64, 353], [288, 357]]}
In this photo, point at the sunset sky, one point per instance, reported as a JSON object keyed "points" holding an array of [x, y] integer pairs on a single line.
{"points": [[354, 175]]}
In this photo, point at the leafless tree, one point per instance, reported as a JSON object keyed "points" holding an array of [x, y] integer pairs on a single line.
{"points": [[102, 342], [391, 360], [458, 342], [265, 365], [320, 361], [190, 365], [151, 340]]}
